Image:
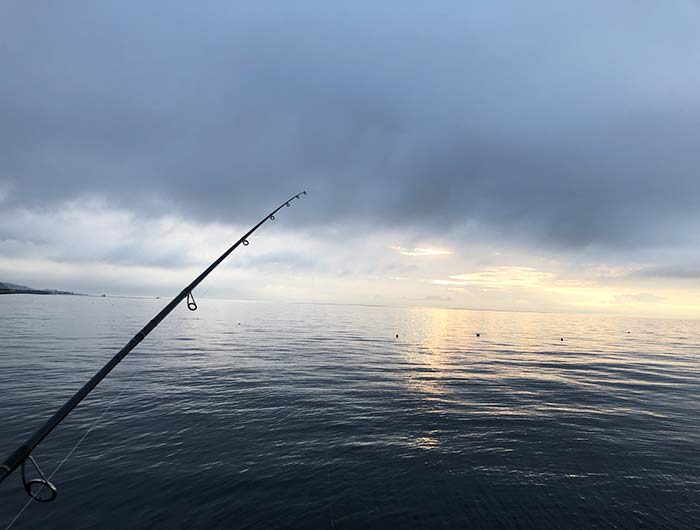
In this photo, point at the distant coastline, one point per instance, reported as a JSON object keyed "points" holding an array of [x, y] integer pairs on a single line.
{"points": [[11, 288]]}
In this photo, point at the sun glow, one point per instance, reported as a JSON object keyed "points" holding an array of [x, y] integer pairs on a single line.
{"points": [[529, 288]]}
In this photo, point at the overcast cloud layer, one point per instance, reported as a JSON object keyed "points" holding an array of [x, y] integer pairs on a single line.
{"points": [[559, 126]]}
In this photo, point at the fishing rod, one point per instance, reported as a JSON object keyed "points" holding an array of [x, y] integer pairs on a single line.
{"points": [[34, 486]]}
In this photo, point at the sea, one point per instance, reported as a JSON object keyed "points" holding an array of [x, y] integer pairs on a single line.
{"points": [[275, 415]]}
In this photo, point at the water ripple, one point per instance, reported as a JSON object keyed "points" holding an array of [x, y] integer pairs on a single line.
{"points": [[313, 416]]}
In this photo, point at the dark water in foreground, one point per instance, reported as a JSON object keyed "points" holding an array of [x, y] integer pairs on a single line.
{"points": [[310, 416]]}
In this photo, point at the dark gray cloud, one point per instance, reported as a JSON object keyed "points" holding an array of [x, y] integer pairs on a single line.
{"points": [[669, 273], [575, 125]]}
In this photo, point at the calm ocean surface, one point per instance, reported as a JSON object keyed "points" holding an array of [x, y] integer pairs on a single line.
{"points": [[317, 416]]}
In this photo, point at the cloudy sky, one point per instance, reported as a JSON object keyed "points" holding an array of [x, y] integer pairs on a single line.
{"points": [[535, 155]]}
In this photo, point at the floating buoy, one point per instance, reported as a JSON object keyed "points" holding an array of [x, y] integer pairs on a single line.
{"points": [[478, 334], [397, 335], [562, 339]]}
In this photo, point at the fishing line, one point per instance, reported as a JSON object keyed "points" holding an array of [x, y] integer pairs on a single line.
{"points": [[203, 292], [70, 453]]}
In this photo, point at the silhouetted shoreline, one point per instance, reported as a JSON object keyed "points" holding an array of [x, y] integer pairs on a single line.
{"points": [[9, 288], [37, 291]]}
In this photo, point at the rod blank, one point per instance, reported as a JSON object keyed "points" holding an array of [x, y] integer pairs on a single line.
{"points": [[24, 451]]}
